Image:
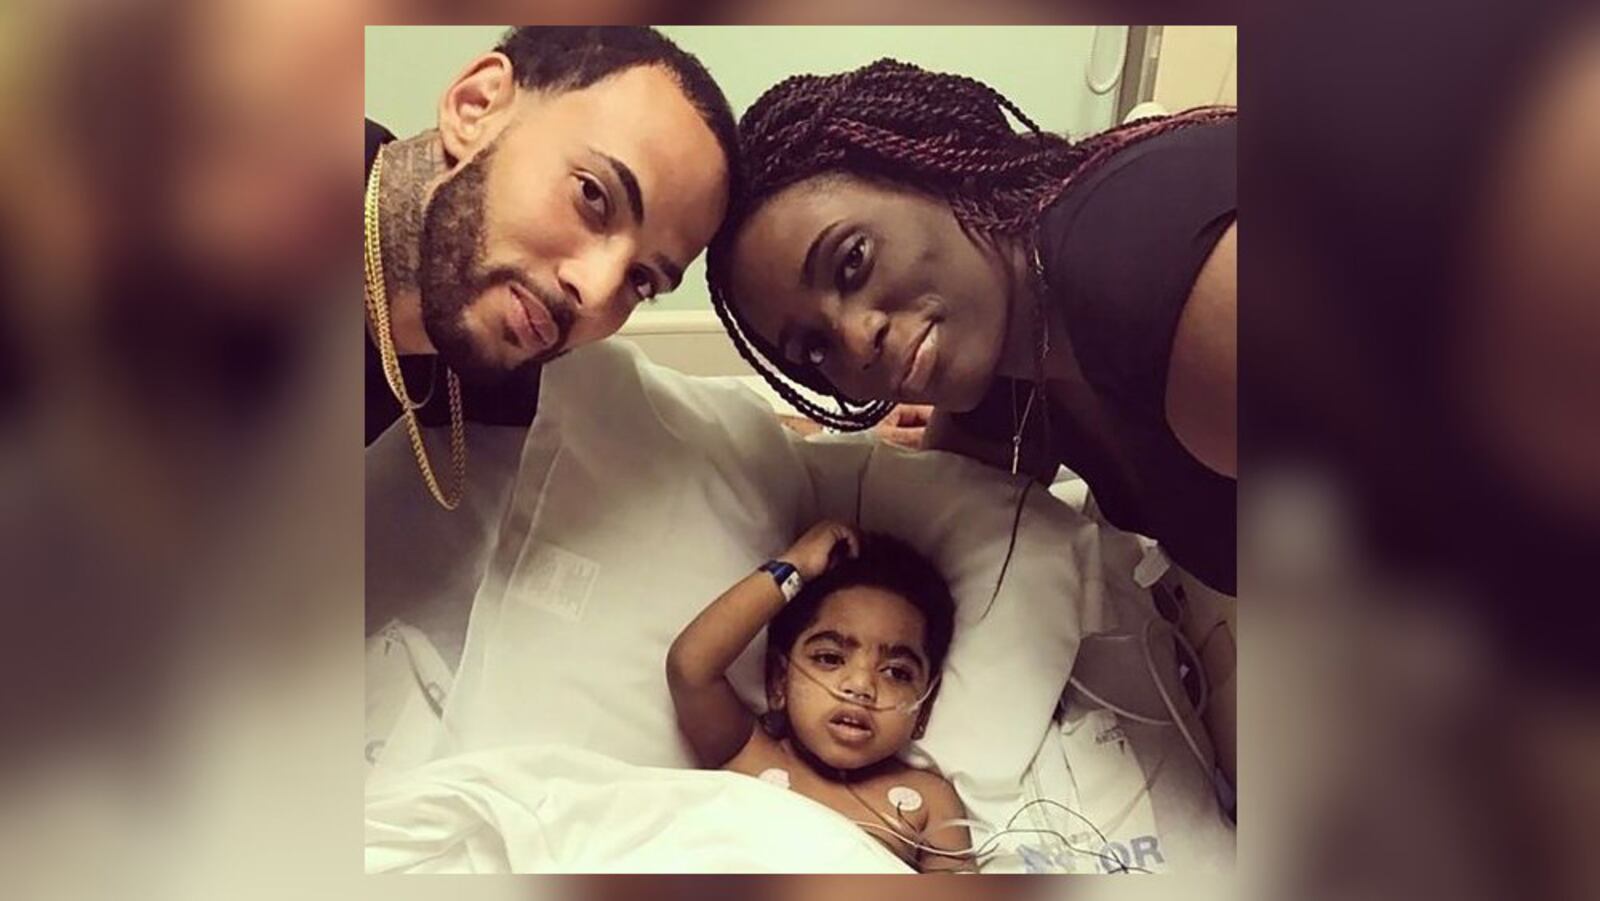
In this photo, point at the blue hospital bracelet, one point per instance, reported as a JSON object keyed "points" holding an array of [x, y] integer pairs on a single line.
{"points": [[787, 577]]}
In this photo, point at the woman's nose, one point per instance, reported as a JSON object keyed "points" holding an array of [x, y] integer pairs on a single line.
{"points": [[863, 334]]}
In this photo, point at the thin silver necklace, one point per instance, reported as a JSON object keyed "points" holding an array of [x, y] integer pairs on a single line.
{"points": [[1043, 351]]}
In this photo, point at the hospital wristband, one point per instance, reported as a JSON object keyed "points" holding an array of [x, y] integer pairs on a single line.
{"points": [[787, 577]]}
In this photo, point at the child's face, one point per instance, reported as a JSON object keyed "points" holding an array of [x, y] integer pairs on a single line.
{"points": [[867, 645]]}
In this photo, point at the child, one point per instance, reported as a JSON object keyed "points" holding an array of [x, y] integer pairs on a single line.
{"points": [[853, 660]]}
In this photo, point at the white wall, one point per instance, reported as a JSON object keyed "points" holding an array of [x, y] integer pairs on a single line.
{"points": [[1198, 66]]}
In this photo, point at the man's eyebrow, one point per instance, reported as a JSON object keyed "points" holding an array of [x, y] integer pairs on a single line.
{"points": [[630, 184], [903, 651], [807, 277]]}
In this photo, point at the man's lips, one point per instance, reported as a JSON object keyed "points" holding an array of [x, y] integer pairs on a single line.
{"points": [[519, 327], [536, 317]]}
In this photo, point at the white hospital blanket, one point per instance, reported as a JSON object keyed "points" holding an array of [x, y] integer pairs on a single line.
{"points": [[552, 809]]}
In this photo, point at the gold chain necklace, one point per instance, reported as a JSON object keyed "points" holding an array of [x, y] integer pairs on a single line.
{"points": [[383, 335]]}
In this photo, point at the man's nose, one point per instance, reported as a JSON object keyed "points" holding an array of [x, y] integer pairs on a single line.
{"points": [[595, 279]]}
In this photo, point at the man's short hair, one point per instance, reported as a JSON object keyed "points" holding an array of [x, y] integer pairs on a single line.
{"points": [[570, 58]]}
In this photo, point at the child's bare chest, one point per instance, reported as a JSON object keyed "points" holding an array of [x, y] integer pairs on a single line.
{"points": [[887, 806]]}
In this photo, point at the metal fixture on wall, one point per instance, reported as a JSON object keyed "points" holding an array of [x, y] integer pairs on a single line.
{"points": [[1139, 68]]}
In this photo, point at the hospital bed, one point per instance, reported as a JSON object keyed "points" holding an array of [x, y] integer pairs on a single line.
{"points": [[517, 714]]}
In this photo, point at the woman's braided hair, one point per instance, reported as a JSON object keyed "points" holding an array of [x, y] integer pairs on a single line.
{"points": [[946, 135]]}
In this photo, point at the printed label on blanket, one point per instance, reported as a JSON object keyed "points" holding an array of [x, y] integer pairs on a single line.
{"points": [[1140, 852], [554, 579]]}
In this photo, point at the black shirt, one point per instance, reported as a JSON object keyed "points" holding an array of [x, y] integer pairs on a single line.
{"points": [[512, 402], [1121, 250]]}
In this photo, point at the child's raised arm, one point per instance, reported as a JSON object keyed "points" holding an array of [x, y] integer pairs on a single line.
{"points": [[710, 714]]}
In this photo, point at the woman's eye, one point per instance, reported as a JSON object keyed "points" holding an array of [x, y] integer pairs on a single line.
{"points": [[900, 674], [827, 659], [853, 260], [812, 351], [594, 196]]}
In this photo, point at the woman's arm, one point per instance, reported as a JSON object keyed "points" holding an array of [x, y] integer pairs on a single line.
{"points": [[906, 425], [710, 714], [1211, 623], [1202, 402]]}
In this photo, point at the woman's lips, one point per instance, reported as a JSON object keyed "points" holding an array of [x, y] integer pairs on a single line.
{"points": [[923, 357]]}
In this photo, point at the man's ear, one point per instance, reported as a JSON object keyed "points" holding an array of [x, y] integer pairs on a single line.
{"points": [[477, 106]]}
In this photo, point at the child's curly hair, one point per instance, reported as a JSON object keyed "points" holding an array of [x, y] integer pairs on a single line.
{"points": [[884, 562]]}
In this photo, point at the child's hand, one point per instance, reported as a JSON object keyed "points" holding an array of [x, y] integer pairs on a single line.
{"points": [[813, 554]]}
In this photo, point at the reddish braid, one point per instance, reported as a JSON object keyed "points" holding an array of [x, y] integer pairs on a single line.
{"points": [[947, 135]]}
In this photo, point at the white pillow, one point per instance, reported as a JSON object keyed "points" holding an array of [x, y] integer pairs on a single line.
{"points": [[1006, 668], [645, 493]]}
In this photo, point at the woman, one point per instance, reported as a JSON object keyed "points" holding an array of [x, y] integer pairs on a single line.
{"points": [[1057, 302]]}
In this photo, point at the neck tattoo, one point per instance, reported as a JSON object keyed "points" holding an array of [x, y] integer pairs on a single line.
{"points": [[409, 168]]}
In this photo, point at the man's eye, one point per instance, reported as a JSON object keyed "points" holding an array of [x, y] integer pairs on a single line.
{"points": [[643, 284], [827, 658], [900, 674], [594, 196]]}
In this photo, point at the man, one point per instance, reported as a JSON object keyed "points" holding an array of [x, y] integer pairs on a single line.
{"points": [[574, 174]]}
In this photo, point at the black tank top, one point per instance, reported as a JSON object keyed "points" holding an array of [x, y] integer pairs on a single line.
{"points": [[1121, 250]]}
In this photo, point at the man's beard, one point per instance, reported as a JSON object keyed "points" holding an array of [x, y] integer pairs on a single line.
{"points": [[452, 273]]}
